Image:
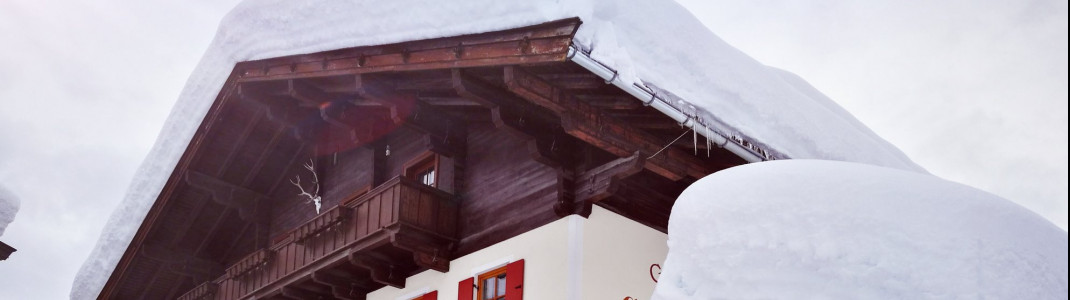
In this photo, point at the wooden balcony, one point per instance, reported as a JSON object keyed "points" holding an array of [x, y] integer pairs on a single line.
{"points": [[376, 239]]}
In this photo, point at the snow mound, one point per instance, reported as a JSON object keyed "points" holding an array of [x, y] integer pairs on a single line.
{"points": [[9, 206], [649, 42], [808, 229]]}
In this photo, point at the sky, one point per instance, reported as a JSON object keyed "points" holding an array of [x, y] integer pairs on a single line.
{"points": [[974, 91]]}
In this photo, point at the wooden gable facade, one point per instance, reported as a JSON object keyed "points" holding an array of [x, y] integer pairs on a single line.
{"points": [[423, 151]]}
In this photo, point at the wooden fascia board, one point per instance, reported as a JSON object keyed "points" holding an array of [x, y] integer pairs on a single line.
{"points": [[547, 42]]}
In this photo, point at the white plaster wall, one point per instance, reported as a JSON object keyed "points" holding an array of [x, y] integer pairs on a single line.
{"points": [[610, 258], [543, 249], [617, 254]]}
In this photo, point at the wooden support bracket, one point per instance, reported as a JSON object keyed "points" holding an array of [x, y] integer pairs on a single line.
{"points": [[382, 270], [592, 125], [378, 96], [599, 183]]}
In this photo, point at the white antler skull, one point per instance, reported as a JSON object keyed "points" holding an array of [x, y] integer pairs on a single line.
{"points": [[313, 197]]}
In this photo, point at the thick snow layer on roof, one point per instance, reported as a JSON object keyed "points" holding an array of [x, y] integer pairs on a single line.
{"points": [[810, 229], [9, 206], [652, 42]]}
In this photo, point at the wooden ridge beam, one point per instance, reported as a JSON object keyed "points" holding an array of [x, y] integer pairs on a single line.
{"points": [[594, 126], [548, 42]]}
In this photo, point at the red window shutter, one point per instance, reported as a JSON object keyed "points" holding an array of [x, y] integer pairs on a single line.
{"points": [[514, 277], [464, 289], [433, 295]]}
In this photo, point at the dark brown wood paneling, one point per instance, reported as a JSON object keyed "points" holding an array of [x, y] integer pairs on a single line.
{"points": [[344, 174], [507, 191]]}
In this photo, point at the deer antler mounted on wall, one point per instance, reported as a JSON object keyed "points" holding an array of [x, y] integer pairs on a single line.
{"points": [[313, 197]]}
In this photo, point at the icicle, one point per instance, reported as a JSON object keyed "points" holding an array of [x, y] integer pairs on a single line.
{"points": [[694, 141], [708, 142]]}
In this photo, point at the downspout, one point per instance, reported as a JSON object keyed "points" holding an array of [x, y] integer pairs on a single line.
{"points": [[584, 59]]}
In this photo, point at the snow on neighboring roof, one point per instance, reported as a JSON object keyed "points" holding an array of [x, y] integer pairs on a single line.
{"points": [[810, 229], [654, 42], [9, 206]]}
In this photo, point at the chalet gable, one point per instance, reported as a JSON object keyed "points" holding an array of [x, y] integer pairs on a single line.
{"points": [[516, 134]]}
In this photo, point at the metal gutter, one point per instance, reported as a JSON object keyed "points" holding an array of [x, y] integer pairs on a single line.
{"points": [[640, 93]]}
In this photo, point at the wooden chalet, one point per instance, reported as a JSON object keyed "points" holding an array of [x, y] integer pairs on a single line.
{"points": [[420, 152]]}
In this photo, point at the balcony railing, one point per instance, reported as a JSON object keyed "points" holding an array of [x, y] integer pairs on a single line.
{"points": [[401, 213]]}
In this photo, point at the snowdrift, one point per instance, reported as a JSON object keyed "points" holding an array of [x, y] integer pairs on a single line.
{"points": [[9, 206], [807, 229]]}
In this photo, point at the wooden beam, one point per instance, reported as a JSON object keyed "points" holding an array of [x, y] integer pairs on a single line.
{"points": [[306, 94], [299, 294], [547, 143], [328, 279], [592, 125], [577, 81], [445, 135], [447, 101], [601, 182], [239, 142], [428, 252], [377, 94], [382, 270], [611, 102], [424, 84], [326, 116], [152, 281], [546, 42], [227, 194], [298, 153], [280, 108], [188, 223], [182, 263], [567, 202]]}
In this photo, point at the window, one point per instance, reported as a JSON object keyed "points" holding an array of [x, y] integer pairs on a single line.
{"points": [[492, 285], [495, 284], [423, 169]]}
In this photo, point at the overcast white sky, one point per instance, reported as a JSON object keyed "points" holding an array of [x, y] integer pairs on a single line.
{"points": [[974, 91]]}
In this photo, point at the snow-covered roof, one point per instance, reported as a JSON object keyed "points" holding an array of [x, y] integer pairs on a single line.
{"points": [[655, 43], [809, 229], [9, 206]]}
